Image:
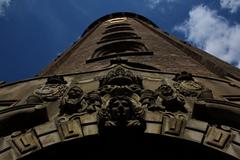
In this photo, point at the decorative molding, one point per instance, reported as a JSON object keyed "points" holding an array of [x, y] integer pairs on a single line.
{"points": [[24, 143], [70, 129], [217, 137], [119, 76], [171, 100], [173, 125]]}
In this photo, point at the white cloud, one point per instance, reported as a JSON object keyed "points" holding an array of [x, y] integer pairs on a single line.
{"points": [[154, 3], [212, 33], [3, 5], [232, 5]]}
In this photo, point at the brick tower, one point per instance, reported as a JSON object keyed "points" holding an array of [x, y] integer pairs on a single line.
{"points": [[125, 88]]}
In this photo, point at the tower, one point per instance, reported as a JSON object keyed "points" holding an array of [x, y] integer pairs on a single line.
{"points": [[124, 88]]}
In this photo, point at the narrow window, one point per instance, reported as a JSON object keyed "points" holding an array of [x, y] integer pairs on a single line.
{"points": [[118, 25], [117, 29], [118, 47], [119, 36]]}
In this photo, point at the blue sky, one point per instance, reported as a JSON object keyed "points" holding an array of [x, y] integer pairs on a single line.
{"points": [[34, 32]]}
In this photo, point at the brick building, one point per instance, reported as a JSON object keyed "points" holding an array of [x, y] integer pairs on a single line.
{"points": [[125, 88]]}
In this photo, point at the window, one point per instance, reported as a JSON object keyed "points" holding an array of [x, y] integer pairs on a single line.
{"points": [[118, 25], [117, 47], [119, 36], [117, 29]]}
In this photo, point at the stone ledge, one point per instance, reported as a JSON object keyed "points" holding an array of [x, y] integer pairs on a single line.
{"points": [[50, 134]]}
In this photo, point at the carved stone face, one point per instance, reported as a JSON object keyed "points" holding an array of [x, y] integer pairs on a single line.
{"points": [[120, 108], [165, 90], [75, 92]]}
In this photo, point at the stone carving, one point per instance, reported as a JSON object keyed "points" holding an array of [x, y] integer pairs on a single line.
{"points": [[170, 100], [75, 101], [120, 77], [70, 128], [115, 90], [187, 86], [173, 125], [217, 137], [136, 88], [124, 100], [148, 101], [94, 101], [25, 142], [121, 112], [52, 89], [121, 109], [34, 100]]}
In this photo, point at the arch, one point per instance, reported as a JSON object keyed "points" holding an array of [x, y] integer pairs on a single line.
{"points": [[151, 146], [119, 47]]}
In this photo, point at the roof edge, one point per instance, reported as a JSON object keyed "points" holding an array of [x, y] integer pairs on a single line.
{"points": [[115, 15]]}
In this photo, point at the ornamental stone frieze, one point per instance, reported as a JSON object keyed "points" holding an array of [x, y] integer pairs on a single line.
{"points": [[126, 108]]}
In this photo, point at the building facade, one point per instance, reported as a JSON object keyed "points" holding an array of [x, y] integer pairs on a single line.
{"points": [[125, 88]]}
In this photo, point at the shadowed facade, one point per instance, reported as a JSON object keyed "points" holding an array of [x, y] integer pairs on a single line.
{"points": [[124, 84]]}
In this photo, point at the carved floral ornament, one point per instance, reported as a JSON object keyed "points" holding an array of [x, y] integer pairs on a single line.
{"points": [[121, 101], [121, 82], [52, 89], [187, 86], [77, 102]]}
